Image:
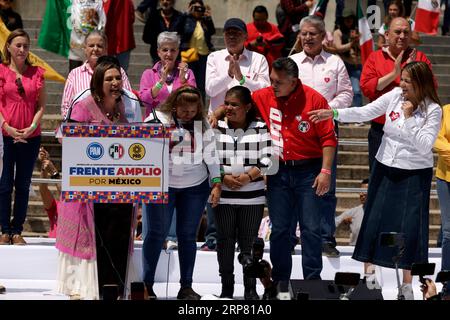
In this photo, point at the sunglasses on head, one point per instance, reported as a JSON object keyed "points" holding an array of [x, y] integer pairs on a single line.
{"points": [[20, 87]]}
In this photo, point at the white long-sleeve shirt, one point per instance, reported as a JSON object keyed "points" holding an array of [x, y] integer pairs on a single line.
{"points": [[253, 66], [407, 143], [326, 74], [187, 169]]}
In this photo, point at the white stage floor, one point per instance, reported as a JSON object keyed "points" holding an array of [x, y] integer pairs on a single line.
{"points": [[28, 272]]}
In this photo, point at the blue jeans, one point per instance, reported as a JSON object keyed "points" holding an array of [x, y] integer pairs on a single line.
{"points": [[289, 194], [173, 226], [354, 72], [190, 203], [22, 156], [443, 190], [328, 208], [211, 232]]}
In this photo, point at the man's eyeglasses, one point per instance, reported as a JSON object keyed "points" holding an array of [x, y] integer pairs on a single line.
{"points": [[20, 87]]}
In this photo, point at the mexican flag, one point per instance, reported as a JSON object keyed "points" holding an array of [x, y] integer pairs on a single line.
{"points": [[427, 16], [55, 29], [365, 39], [317, 7]]}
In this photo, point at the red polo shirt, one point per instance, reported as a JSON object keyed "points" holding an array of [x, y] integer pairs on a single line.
{"points": [[377, 66], [288, 120]]}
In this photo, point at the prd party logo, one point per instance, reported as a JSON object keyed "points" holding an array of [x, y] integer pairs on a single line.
{"points": [[94, 151], [116, 151], [136, 151]]}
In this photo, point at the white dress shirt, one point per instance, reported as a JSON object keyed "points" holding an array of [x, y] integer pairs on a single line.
{"points": [[326, 74], [253, 66], [407, 143]]}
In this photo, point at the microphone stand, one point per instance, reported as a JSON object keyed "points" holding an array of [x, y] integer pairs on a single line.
{"points": [[396, 260]]}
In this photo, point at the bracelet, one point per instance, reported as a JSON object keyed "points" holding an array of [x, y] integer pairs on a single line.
{"points": [[33, 126], [242, 81], [335, 114], [251, 179], [326, 171], [159, 85], [216, 180]]}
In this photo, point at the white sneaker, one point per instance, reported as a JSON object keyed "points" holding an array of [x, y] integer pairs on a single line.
{"points": [[407, 291], [172, 245]]}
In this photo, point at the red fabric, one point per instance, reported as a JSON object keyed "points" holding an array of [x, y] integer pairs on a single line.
{"points": [[272, 39], [52, 214], [377, 66], [119, 26], [427, 21], [301, 139], [366, 50]]}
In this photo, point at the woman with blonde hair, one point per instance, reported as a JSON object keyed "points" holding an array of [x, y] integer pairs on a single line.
{"points": [[399, 186]]}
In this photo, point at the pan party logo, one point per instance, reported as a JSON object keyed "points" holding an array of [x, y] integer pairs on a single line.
{"points": [[136, 151]]}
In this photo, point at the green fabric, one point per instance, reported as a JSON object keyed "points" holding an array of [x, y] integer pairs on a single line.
{"points": [[55, 30]]}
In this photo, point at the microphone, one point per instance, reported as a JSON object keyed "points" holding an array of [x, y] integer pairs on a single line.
{"points": [[141, 103]]}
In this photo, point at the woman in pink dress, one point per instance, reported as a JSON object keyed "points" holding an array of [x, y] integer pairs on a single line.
{"points": [[77, 274], [22, 101]]}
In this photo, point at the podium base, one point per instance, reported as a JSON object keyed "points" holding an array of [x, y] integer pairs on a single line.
{"points": [[112, 237]]}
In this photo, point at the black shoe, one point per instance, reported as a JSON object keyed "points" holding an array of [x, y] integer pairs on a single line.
{"points": [[2, 289], [270, 293], [329, 250], [188, 294], [251, 294], [227, 291]]}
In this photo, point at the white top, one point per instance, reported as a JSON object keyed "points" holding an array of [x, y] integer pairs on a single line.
{"points": [[189, 169], [357, 214], [326, 74], [254, 68], [407, 143]]}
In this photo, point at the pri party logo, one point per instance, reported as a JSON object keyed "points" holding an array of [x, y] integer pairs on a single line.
{"points": [[116, 151]]}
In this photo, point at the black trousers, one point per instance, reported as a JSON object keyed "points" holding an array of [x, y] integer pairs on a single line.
{"points": [[235, 223], [112, 237]]}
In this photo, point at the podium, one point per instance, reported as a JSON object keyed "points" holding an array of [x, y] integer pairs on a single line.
{"points": [[115, 167]]}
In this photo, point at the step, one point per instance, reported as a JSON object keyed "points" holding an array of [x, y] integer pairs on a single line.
{"points": [[434, 40], [351, 200], [439, 49]]}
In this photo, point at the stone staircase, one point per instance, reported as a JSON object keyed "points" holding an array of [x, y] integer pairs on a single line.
{"points": [[352, 161]]}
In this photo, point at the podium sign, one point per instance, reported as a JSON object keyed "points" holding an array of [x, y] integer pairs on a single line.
{"points": [[115, 163]]}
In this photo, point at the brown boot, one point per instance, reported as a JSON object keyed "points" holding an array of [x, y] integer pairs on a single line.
{"points": [[18, 240], [5, 239]]}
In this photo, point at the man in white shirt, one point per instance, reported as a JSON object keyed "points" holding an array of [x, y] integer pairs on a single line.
{"points": [[234, 65], [226, 68], [325, 73]]}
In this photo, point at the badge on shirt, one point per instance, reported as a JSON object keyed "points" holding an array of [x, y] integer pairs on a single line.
{"points": [[303, 126], [298, 118], [394, 115]]}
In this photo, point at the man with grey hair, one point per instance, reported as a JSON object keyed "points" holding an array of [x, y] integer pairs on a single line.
{"points": [[306, 153], [381, 73], [325, 73]]}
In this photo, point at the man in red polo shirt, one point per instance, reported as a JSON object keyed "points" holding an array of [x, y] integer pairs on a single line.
{"points": [[306, 152], [381, 73]]}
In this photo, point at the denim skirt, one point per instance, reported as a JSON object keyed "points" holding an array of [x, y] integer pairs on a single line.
{"points": [[397, 201]]}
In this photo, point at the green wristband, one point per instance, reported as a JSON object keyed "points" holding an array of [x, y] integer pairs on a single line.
{"points": [[242, 81], [33, 126], [335, 114], [159, 85], [216, 180]]}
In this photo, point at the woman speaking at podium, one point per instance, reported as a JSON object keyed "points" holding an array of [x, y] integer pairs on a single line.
{"points": [[93, 239]]}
